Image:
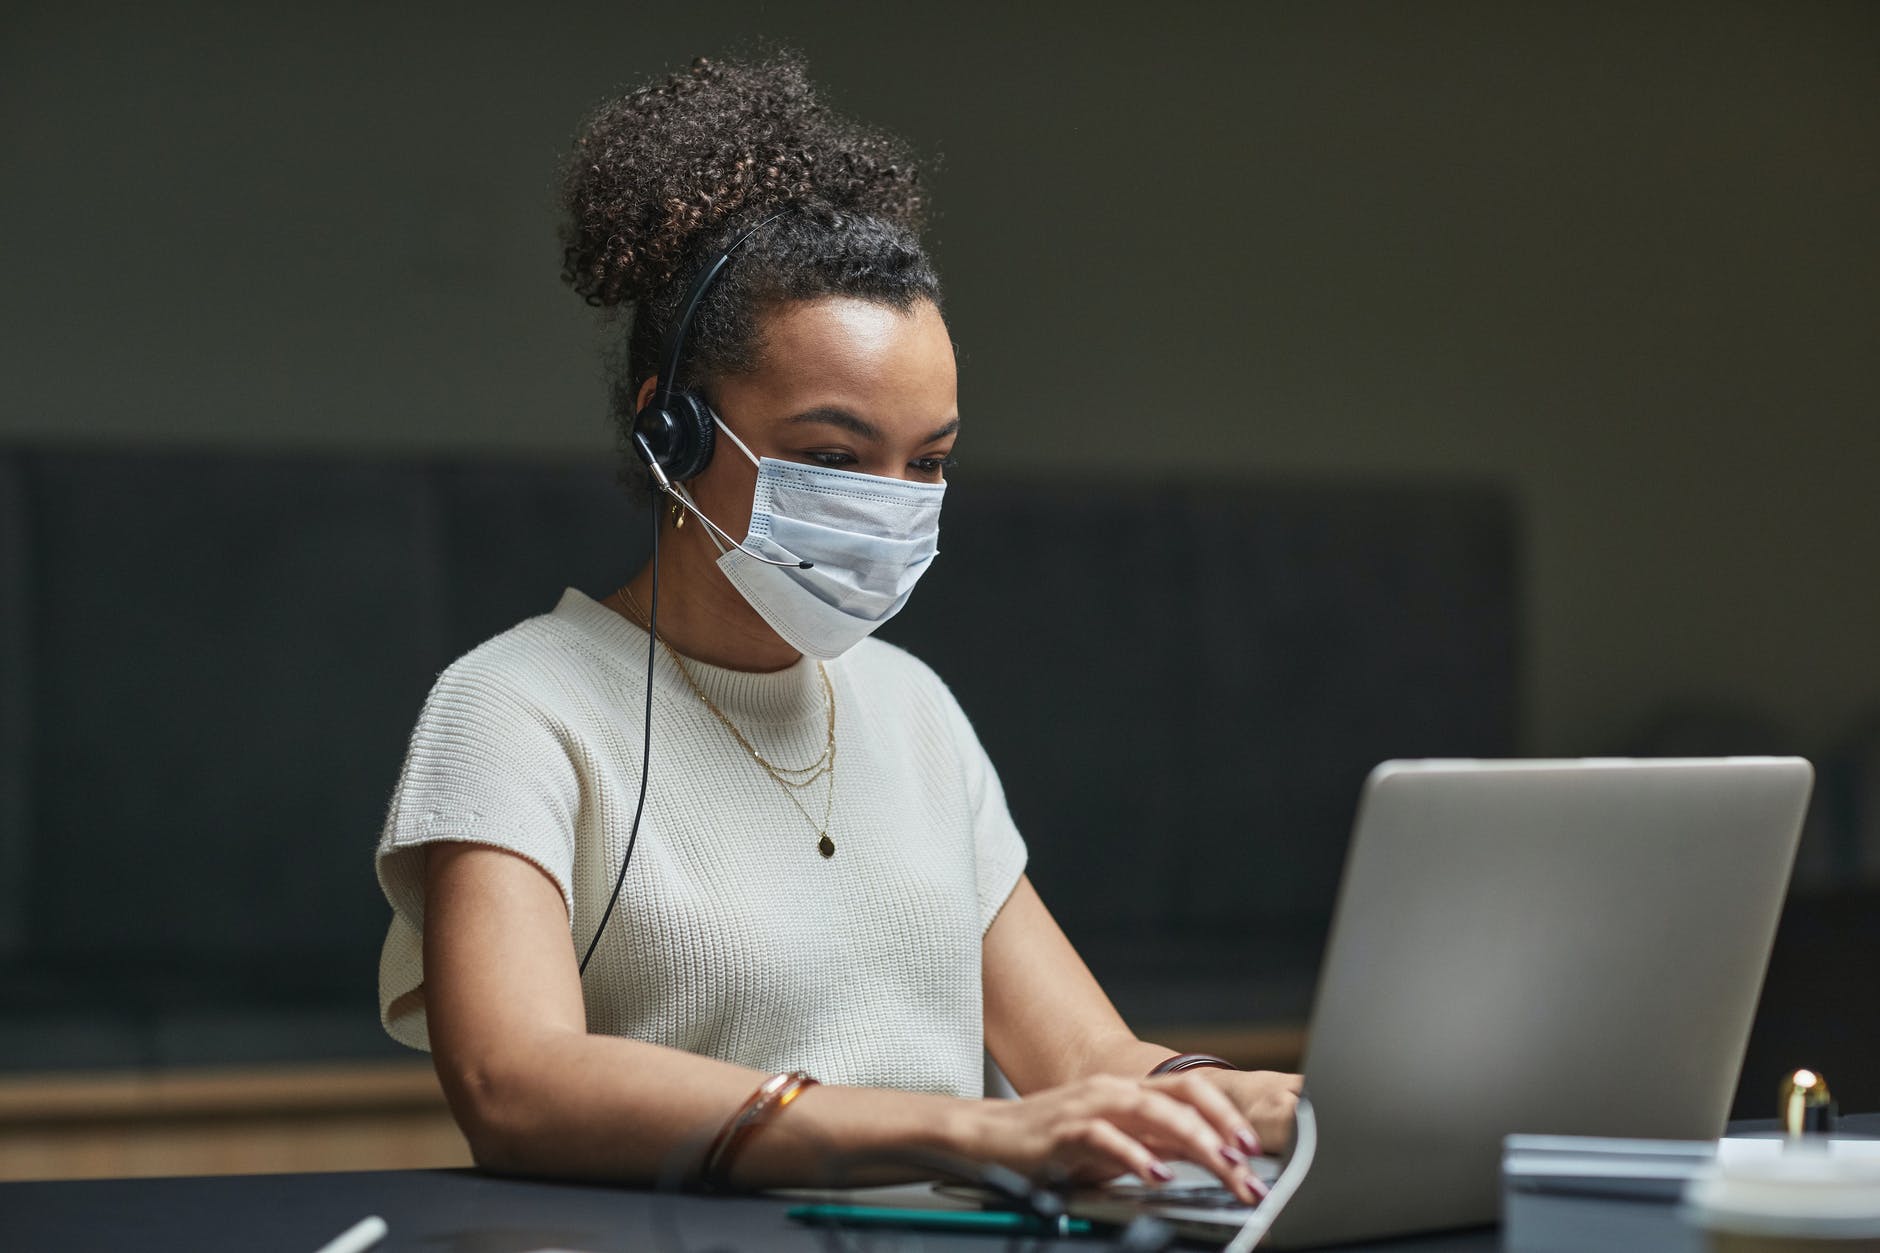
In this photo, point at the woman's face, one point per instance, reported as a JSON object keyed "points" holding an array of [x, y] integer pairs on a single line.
{"points": [[841, 382]]}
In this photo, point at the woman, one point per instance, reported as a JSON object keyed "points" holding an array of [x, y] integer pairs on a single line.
{"points": [[825, 881]]}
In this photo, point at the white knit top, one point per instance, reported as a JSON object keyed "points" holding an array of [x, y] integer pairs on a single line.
{"points": [[733, 937]]}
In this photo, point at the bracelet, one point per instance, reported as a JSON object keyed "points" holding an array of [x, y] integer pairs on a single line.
{"points": [[1191, 1061], [759, 1108]]}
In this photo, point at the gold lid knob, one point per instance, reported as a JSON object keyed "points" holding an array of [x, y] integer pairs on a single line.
{"points": [[1804, 1104]]}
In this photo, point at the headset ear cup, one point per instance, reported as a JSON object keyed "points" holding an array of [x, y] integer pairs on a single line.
{"points": [[681, 438], [695, 436], [654, 434]]}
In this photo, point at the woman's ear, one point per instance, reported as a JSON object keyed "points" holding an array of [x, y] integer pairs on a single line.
{"points": [[645, 396]]}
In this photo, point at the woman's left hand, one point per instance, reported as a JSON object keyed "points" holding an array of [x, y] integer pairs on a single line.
{"points": [[1266, 1097]]}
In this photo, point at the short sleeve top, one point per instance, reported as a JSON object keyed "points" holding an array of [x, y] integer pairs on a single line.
{"points": [[733, 937]]}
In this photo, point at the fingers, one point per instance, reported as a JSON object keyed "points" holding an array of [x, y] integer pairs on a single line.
{"points": [[1272, 1109], [1170, 1125], [1106, 1125], [1217, 1107], [1103, 1145]]}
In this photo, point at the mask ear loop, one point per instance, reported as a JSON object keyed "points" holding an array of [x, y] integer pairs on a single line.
{"points": [[680, 487], [733, 437], [674, 490]]}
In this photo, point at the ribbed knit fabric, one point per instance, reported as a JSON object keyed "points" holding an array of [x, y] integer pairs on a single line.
{"points": [[733, 938]]}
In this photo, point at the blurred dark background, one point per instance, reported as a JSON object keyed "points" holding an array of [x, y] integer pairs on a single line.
{"points": [[1340, 381]]}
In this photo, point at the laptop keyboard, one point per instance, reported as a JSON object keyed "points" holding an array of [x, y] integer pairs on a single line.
{"points": [[1199, 1196]]}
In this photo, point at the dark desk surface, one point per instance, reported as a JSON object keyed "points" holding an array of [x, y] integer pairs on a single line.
{"points": [[461, 1211], [442, 1211]]}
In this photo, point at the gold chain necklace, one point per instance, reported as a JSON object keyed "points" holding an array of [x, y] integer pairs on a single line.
{"points": [[806, 775], [822, 765]]}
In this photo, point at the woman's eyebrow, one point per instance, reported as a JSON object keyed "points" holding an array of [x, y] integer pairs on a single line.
{"points": [[855, 424], [828, 415]]}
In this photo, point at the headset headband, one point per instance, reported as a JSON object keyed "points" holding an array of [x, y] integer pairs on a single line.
{"points": [[675, 335]]}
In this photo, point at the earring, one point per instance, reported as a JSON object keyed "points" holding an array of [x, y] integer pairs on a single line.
{"points": [[676, 512]]}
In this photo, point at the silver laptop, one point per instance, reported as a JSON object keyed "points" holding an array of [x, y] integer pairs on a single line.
{"points": [[1571, 947]]}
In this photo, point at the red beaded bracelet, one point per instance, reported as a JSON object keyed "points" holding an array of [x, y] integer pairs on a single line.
{"points": [[1191, 1061]]}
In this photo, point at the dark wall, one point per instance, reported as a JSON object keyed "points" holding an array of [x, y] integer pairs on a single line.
{"points": [[1620, 257]]}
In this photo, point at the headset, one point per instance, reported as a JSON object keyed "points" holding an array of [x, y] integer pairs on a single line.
{"points": [[674, 435], [675, 432]]}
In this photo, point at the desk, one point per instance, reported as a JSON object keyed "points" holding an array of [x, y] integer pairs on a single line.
{"points": [[462, 1211], [439, 1211]]}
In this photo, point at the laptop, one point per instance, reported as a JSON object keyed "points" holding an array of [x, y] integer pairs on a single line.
{"points": [[1556, 947]]}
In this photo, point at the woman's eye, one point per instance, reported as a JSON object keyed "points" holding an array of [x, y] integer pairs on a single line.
{"points": [[842, 460]]}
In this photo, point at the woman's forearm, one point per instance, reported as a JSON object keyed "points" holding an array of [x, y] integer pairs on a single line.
{"points": [[1047, 1019], [1124, 1054], [536, 1093], [571, 1104]]}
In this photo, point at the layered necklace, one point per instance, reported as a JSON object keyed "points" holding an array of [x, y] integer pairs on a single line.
{"points": [[792, 779]]}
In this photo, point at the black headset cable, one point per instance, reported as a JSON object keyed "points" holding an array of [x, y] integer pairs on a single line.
{"points": [[646, 748]]}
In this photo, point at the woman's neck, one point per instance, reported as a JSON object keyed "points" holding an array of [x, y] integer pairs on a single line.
{"points": [[701, 615]]}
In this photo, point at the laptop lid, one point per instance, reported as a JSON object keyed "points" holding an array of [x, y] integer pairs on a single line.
{"points": [[1570, 947]]}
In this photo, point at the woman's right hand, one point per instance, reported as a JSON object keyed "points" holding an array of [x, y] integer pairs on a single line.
{"points": [[1097, 1128]]}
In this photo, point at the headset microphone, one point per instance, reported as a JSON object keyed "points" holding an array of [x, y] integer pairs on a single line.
{"points": [[684, 501]]}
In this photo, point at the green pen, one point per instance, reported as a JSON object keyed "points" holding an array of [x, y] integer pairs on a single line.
{"points": [[938, 1219]]}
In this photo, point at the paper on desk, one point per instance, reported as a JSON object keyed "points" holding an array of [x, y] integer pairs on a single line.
{"points": [[1757, 1148], [1656, 1169]]}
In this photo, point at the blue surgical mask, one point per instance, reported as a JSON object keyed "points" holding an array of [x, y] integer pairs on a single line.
{"points": [[869, 540]]}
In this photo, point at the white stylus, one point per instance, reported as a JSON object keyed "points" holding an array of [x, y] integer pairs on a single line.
{"points": [[357, 1238]]}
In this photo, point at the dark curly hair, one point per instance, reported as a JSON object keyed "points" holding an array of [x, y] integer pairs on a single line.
{"points": [[666, 177]]}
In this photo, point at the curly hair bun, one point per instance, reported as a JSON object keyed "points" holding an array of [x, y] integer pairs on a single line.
{"points": [[658, 174]]}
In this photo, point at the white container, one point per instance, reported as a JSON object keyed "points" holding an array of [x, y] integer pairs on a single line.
{"points": [[1805, 1199]]}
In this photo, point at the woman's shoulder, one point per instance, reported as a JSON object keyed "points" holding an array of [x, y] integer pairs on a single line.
{"points": [[536, 660], [892, 674], [518, 659]]}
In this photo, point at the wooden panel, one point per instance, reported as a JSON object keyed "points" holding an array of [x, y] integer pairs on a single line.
{"points": [[86, 1096], [1250, 1048], [189, 1122]]}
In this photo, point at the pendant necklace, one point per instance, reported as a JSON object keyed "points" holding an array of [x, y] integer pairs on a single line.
{"points": [[792, 779]]}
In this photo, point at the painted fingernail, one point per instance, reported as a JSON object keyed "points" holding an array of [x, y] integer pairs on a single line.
{"points": [[1249, 1142], [1258, 1189], [1233, 1155], [1161, 1173]]}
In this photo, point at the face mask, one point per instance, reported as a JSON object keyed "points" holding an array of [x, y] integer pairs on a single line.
{"points": [[869, 538]]}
